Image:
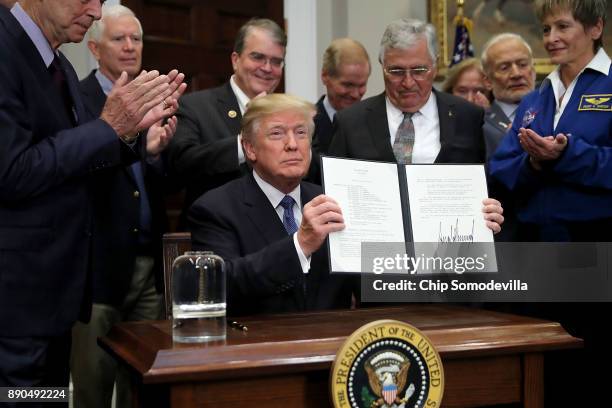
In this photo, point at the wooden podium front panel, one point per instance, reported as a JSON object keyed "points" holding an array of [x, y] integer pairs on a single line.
{"points": [[489, 358], [295, 391]]}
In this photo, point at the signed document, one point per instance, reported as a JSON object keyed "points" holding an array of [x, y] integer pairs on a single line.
{"points": [[369, 195], [415, 219], [446, 203]]}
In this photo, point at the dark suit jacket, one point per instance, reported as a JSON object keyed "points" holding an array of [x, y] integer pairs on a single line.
{"points": [[494, 128], [203, 153], [494, 131], [45, 203], [362, 131], [117, 217], [324, 128], [237, 222]]}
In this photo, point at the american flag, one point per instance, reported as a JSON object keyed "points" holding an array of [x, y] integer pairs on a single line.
{"points": [[463, 46]]}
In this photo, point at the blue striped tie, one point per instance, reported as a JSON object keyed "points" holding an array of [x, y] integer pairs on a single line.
{"points": [[288, 218]]}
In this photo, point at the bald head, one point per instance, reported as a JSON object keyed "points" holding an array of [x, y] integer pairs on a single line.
{"points": [[508, 65]]}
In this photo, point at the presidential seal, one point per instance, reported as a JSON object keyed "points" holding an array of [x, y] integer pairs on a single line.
{"points": [[387, 364]]}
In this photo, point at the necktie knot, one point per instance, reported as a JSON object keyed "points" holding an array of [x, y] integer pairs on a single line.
{"points": [[288, 217], [287, 202]]}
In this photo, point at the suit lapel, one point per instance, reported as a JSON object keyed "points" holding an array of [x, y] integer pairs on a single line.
{"points": [[497, 118], [379, 128], [446, 119], [94, 97], [27, 48], [227, 104], [322, 120], [35, 63], [260, 212], [73, 87]]}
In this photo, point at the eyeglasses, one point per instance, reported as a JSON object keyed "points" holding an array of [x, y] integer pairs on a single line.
{"points": [[417, 73], [263, 59]]}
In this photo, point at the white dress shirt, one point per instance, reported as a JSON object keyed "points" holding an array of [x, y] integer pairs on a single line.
{"points": [[426, 129], [331, 112], [509, 109], [275, 196]]}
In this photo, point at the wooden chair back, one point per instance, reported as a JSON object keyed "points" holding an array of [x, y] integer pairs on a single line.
{"points": [[174, 245]]}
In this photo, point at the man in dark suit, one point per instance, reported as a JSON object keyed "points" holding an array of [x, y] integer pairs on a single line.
{"points": [[126, 256], [509, 72], [439, 127], [50, 150], [345, 72], [252, 223], [206, 152]]}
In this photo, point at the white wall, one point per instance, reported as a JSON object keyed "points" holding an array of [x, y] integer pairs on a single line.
{"points": [[301, 61]]}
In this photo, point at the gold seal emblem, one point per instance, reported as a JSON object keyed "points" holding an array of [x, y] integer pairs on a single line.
{"points": [[232, 114], [387, 364]]}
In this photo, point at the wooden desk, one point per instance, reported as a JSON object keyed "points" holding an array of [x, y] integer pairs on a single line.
{"points": [[284, 361]]}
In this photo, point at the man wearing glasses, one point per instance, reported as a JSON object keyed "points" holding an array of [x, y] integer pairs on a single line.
{"points": [[410, 122], [206, 151]]}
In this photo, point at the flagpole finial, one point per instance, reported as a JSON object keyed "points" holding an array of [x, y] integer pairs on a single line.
{"points": [[460, 4]]}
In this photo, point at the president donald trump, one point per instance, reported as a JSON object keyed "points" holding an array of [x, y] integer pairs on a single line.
{"points": [[269, 226]]}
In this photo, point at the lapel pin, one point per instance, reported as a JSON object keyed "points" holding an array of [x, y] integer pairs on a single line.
{"points": [[232, 114], [450, 114]]}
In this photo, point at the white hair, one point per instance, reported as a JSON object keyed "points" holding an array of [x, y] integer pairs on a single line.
{"points": [[405, 33], [111, 11], [484, 56]]}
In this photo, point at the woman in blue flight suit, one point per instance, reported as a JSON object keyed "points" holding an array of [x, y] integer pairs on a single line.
{"points": [[557, 161], [557, 158]]}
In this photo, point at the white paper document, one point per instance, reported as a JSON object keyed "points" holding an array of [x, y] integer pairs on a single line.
{"points": [[440, 205], [368, 194], [446, 203]]}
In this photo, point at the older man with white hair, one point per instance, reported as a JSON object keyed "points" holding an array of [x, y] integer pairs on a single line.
{"points": [[508, 65], [50, 154], [410, 122], [125, 256]]}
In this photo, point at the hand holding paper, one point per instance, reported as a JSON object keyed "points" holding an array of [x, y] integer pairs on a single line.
{"points": [[321, 216]]}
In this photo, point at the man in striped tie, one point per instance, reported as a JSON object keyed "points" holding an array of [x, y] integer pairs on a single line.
{"points": [[270, 226], [410, 122]]}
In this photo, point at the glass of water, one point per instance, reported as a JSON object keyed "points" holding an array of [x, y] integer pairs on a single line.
{"points": [[198, 298]]}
